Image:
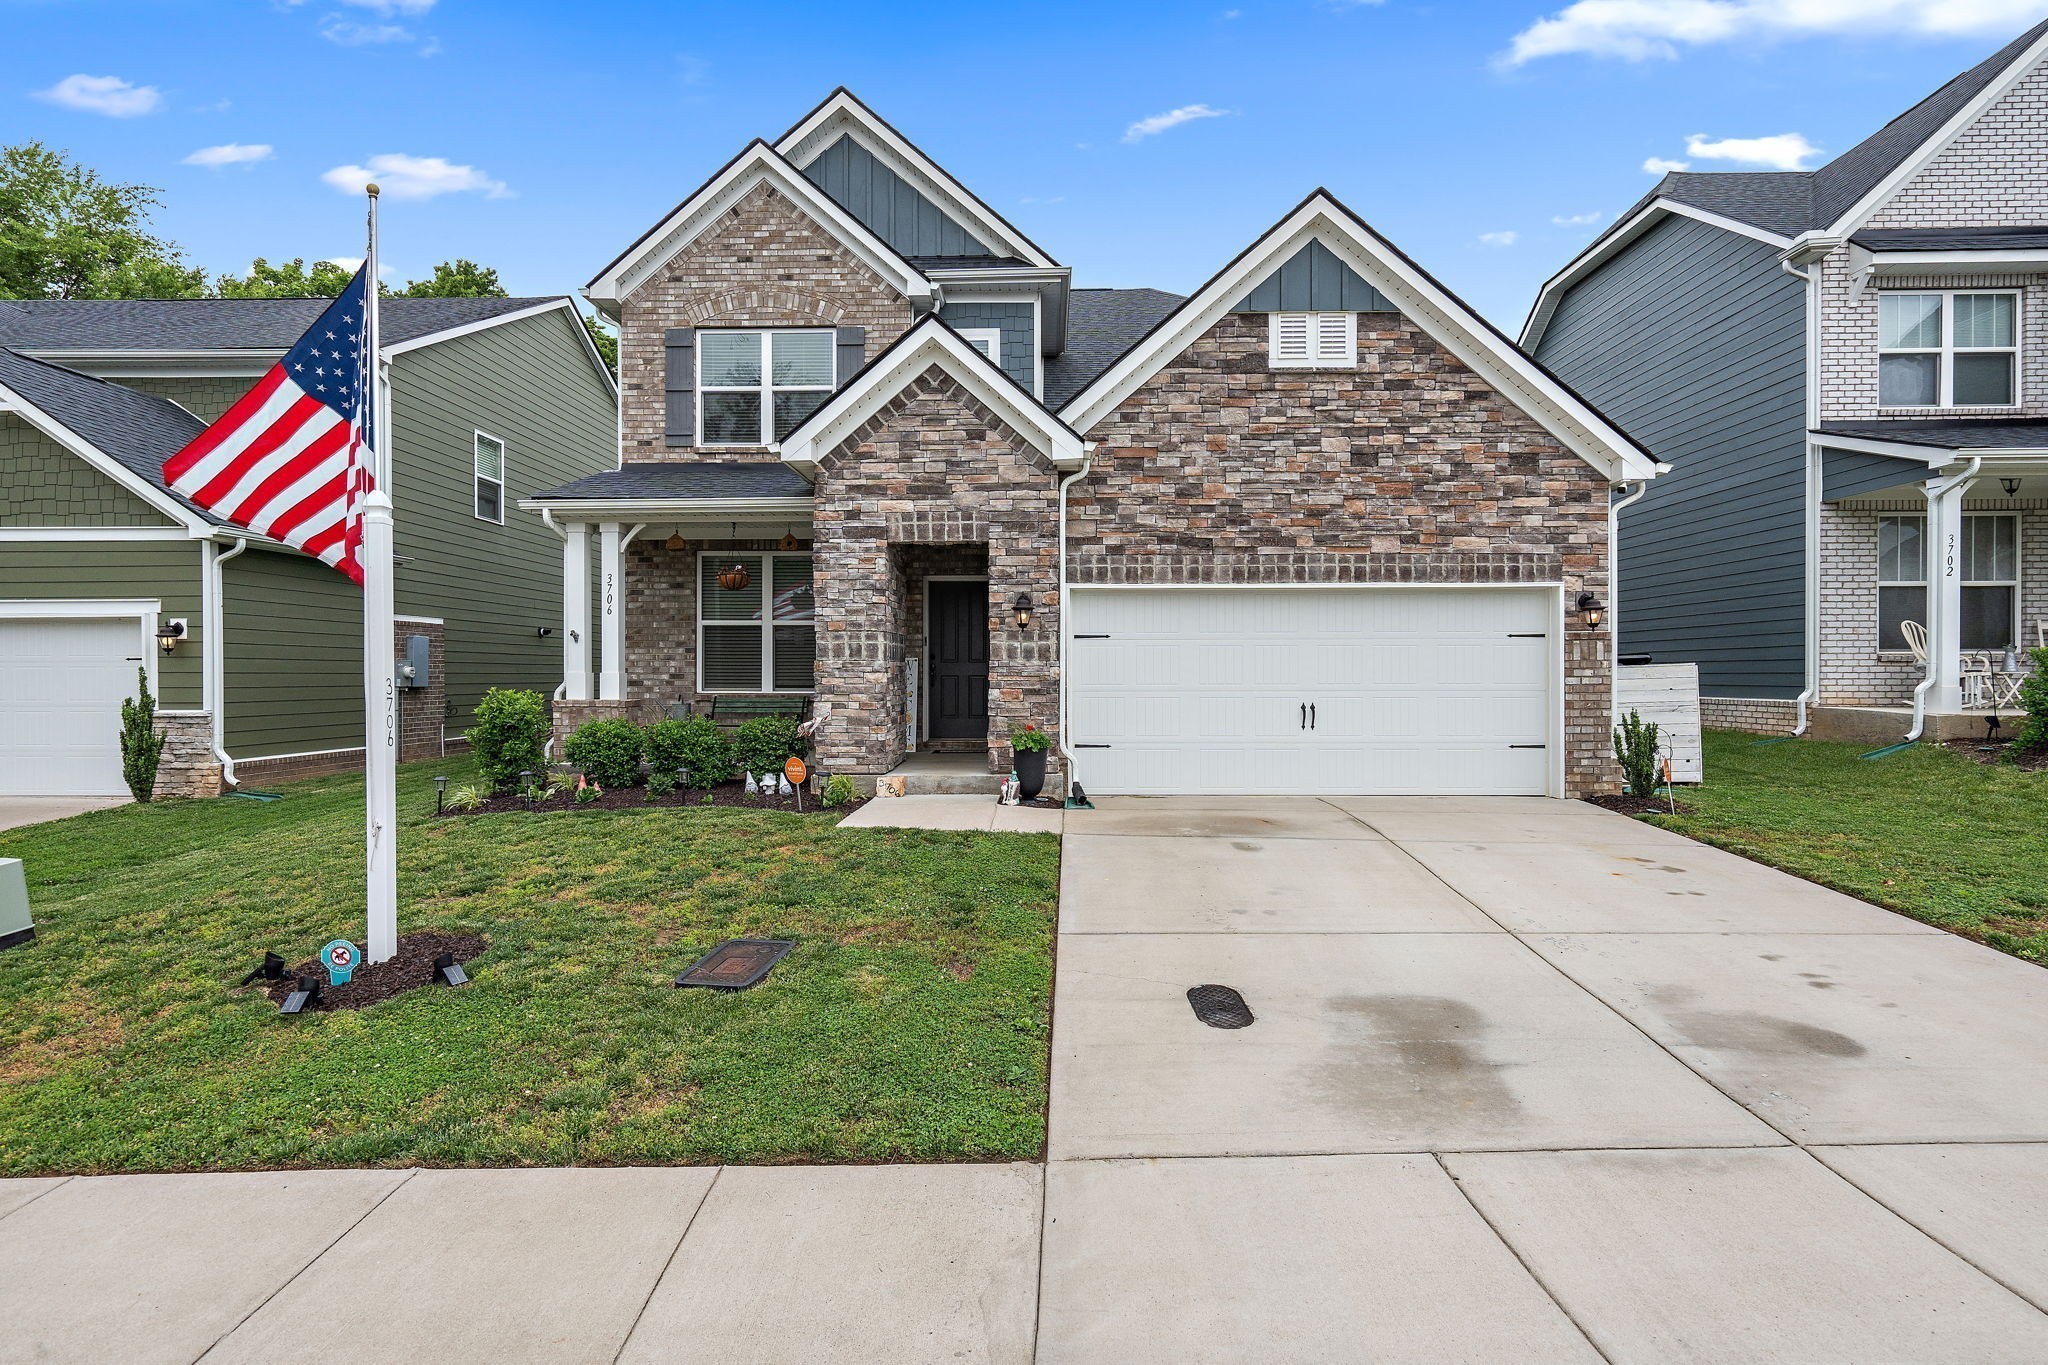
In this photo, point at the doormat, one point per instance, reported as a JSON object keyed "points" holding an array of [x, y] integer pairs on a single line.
{"points": [[736, 964]]}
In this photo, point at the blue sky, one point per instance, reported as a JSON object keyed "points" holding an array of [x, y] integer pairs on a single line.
{"points": [[1490, 138]]}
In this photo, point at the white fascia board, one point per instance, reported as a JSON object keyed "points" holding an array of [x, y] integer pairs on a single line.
{"points": [[240, 363], [1934, 456], [564, 305], [661, 509], [89, 534], [1047, 288], [930, 343], [106, 464], [1451, 323], [1866, 208], [842, 113], [758, 164], [1957, 262], [1600, 252]]}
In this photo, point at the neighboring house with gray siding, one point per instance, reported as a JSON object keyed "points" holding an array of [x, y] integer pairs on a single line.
{"points": [[1847, 369], [1314, 528], [490, 400]]}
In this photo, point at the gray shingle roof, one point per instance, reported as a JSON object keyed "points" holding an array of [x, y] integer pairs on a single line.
{"points": [[1955, 239], [137, 429], [1950, 433], [218, 324], [697, 479], [1101, 325]]}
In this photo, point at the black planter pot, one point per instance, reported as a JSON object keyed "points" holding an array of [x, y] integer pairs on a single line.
{"points": [[1030, 773]]}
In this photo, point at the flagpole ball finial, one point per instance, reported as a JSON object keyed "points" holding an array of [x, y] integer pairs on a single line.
{"points": [[372, 190]]}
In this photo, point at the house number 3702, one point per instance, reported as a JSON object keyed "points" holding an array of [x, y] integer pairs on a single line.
{"points": [[1949, 560]]}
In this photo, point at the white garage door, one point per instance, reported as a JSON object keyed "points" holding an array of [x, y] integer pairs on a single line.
{"points": [[61, 687], [1327, 691]]}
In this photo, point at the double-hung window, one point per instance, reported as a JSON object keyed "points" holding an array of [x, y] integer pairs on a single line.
{"points": [[1948, 350], [1991, 579], [755, 386], [490, 479], [1327, 341], [756, 627]]}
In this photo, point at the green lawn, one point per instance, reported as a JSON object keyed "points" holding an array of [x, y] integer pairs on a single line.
{"points": [[910, 1023], [1955, 843]]}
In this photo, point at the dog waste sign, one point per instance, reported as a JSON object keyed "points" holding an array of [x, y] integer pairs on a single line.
{"points": [[341, 959]]}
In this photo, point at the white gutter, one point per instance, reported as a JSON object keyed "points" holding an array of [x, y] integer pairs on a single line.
{"points": [[1066, 749], [1936, 489], [1810, 683], [213, 648]]}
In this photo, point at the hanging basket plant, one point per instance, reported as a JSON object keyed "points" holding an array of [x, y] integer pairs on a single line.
{"points": [[735, 577]]}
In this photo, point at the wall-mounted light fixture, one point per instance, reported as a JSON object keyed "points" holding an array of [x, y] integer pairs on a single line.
{"points": [[1592, 608], [2011, 487], [168, 633], [1022, 606], [544, 631]]}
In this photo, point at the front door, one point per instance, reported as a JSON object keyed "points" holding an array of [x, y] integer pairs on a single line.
{"points": [[958, 631]]}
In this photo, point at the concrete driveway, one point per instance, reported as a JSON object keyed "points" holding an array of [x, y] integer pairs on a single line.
{"points": [[17, 811], [1528, 1081]]}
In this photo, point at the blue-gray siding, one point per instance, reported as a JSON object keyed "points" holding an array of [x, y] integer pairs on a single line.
{"points": [[1020, 346], [1694, 341], [888, 205], [1847, 473], [1313, 280]]}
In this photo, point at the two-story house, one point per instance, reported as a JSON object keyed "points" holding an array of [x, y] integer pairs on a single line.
{"points": [[254, 649], [1314, 528], [1848, 370]]}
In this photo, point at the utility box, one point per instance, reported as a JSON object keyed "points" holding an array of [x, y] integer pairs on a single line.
{"points": [[416, 665], [15, 924]]}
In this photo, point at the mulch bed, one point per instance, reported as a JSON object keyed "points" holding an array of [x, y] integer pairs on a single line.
{"points": [[1636, 805], [635, 798], [411, 968], [1996, 752]]}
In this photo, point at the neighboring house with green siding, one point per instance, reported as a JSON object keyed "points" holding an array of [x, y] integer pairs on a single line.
{"points": [[254, 649]]}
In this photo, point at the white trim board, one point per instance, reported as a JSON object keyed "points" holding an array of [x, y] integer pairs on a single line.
{"points": [[89, 534], [1446, 318]]}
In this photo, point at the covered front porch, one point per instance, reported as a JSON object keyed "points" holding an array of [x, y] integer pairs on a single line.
{"points": [[1933, 574]]}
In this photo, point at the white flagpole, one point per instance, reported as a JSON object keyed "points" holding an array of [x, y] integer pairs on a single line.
{"points": [[380, 680]]}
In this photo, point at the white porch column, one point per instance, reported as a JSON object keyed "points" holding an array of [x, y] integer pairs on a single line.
{"points": [[576, 611], [611, 587], [1945, 593]]}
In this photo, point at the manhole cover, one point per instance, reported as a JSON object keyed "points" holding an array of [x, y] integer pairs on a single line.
{"points": [[735, 964], [1219, 1007]]}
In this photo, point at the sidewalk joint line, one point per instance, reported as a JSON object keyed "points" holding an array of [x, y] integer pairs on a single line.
{"points": [[673, 1252], [62, 1181]]}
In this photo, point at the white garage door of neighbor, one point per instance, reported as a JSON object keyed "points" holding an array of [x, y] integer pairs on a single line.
{"points": [[1323, 691], [61, 687]]}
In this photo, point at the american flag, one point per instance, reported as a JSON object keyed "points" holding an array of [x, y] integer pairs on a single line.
{"points": [[292, 459]]}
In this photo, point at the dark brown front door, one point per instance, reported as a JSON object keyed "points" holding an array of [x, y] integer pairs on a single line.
{"points": [[958, 631]]}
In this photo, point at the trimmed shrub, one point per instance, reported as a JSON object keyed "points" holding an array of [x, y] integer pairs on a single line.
{"points": [[763, 743], [696, 745], [839, 790], [2033, 736], [1635, 746], [608, 752], [509, 735], [142, 748], [660, 784]]}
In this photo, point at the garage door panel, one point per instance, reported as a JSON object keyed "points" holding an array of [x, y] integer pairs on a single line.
{"points": [[1415, 690], [62, 682]]}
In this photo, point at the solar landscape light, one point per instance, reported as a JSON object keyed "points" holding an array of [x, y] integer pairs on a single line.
{"points": [[440, 793], [271, 968], [448, 972], [307, 994]]}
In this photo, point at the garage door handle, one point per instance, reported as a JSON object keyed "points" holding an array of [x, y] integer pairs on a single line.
{"points": [[1528, 635], [1304, 715], [1528, 746], [1094, 746], [1311, 715], [1091, 637]]}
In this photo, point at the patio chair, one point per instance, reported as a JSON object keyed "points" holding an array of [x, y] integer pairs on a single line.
{"points": [[1916, 639]]}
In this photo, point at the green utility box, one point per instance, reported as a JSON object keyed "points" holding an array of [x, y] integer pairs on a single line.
{"points": [[15, 924]]}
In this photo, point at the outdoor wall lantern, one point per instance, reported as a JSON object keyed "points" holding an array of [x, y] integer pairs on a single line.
{"points": [[1022, 606], [2011, 487], [169, 633], [1592, 608]]}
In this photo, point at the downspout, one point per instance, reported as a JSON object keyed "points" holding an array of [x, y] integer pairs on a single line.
{"points": [[1936, 489], [214, 658], [1614, 510], [1066, 749], [547, 518], [1810, 688]]}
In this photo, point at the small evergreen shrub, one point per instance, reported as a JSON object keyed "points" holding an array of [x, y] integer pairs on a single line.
{"points": [[509, 735], [660, 784], [142, 748], [2033, 736], [839, 790], [695, 745], [763, 743], [608, 752], [1635, 746]]}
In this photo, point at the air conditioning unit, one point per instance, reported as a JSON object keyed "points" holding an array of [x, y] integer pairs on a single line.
{"points": [[15, 924]]}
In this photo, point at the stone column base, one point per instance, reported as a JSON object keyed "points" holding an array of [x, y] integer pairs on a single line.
{"points": [[188, 767]]}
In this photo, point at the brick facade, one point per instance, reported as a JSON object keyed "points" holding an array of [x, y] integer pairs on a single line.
{"points": [[1407, 469], [1758, 715], [422, 711]]}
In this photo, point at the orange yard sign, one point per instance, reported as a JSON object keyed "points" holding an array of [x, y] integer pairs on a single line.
{"points": [[795, 771]]}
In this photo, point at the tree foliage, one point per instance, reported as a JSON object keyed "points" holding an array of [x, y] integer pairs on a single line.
{"points": [[293, 279], [68, 233], [457, 279], [605, 339], [142, 748]]}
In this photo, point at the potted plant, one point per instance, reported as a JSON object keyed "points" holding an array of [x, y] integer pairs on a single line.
{"points": [[1027, 747]]}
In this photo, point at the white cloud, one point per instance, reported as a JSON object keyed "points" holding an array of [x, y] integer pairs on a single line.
{"points": [[1172, 118], [349, 33], [1658, 165], [109, 95], [415, 177], [345, 262], [1638, 30], [1507, 238], [231, 154], [1577, 219], [1781, 151]]}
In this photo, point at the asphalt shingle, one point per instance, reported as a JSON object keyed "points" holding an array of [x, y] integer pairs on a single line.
{"points": [[218, 324], [1101, 325], [136, 429], [694, 480]]}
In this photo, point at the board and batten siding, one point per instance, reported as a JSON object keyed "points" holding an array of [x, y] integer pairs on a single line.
{"points": [[529, 384], [294, 656], [43, 484], [1693, 340], [888, 205], [164, 571], [205, 397]]}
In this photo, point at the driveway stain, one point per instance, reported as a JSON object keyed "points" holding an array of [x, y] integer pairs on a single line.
{"points": [[1413, 1057], [1763, 1035]]}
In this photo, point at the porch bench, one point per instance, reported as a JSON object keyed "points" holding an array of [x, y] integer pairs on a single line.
{"points": [[729, 713]]}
